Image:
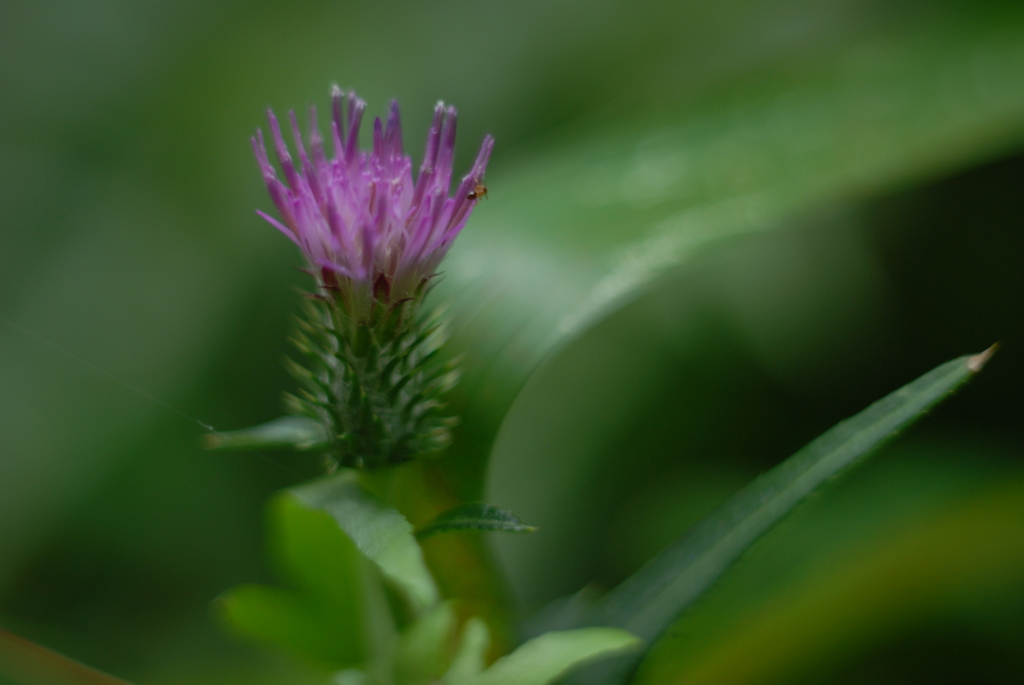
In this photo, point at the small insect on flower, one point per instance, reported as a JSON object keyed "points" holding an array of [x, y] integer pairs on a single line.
{"points": [[479, 191], [372, 233]]}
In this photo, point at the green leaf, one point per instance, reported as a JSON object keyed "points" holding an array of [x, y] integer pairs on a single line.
{"points": [[648, 602], [323, 617], [380, 532], [426, 647], [314, 555], [589, 224], [543, 659], [471, 655], [475, 516], [288, 619], [593, 220], [353, 676], [26, 662], [288, 432]]}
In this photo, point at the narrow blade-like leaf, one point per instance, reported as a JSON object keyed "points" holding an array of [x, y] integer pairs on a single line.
{"points": [[475, 516], [652, 598], [590, 225]]}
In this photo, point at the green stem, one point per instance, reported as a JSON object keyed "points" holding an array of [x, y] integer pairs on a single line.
{"points": [[462, 563]]}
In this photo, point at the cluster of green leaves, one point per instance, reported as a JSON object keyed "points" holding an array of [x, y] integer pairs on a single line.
{"points": [[346, 554], [333, 620]]}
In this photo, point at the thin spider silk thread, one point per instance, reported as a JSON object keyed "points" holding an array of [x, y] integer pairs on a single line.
{"points": [[128, 386]]}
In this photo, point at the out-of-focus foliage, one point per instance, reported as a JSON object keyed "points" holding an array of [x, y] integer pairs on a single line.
{"points": [[329, 612], [26, 661], [950, 570], [878, 139]]}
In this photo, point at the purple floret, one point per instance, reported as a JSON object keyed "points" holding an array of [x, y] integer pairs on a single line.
{"points": [[368, 230]]}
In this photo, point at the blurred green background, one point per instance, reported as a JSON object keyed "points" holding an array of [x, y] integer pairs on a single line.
{"points": [[719, 227]]}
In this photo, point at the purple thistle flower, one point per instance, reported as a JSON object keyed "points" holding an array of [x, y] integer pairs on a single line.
{"points": [[367, 229]]}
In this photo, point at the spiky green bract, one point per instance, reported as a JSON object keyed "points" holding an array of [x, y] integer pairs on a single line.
{"points": [[375, 384]]}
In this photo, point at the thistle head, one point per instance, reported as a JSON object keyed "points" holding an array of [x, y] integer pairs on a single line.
{"points": [[372, 235], [373, 238]]}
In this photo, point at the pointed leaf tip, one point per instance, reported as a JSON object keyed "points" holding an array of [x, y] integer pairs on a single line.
{"points": [[978, 361], [650, 600]]}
